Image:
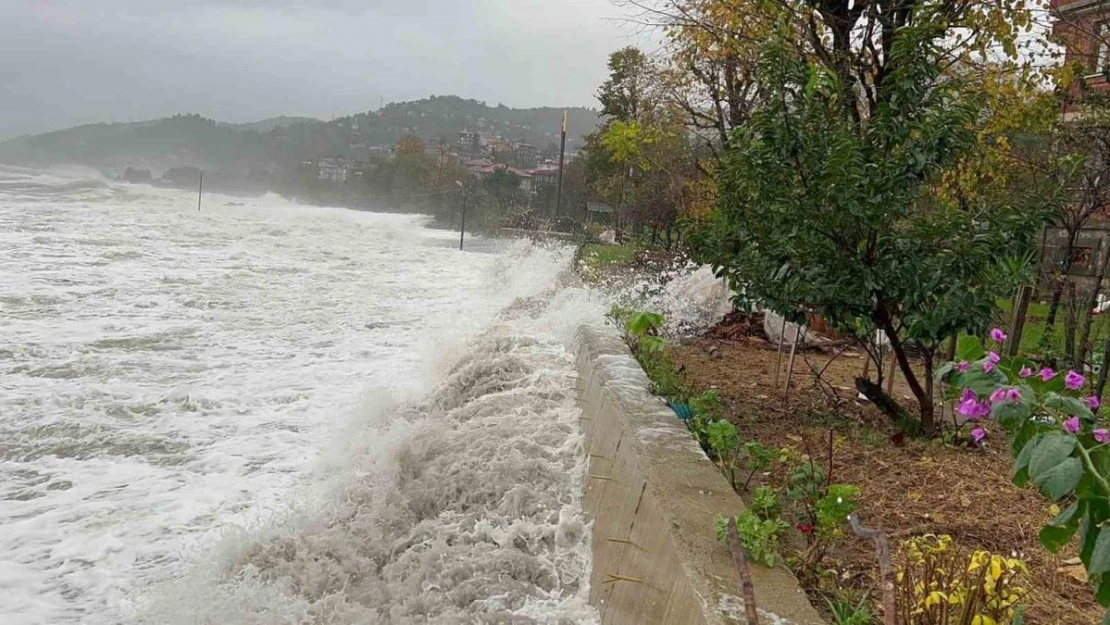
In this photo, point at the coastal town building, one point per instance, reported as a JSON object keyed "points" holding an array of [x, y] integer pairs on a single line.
{"points": [[1083, 28]]}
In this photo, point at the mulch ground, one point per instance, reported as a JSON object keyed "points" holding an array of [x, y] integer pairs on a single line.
{"points": [[908, 487]]}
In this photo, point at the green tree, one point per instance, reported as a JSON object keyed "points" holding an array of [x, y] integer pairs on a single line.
{"points": [[822, 212], [628, 91]]}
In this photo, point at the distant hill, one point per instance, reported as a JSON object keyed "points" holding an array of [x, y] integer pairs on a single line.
{"points": [[285, 141], [266, 125]]}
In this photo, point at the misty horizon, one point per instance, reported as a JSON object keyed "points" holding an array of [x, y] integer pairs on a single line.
{"points": [[69, 64]]}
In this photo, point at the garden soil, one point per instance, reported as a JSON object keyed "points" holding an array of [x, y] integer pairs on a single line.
{"points": [[909, 487]]}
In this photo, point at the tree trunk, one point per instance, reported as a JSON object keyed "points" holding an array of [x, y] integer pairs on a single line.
{"points": [[1089, 317], [1058, 289], [1071, 320], [1017, 323], [924, 399], [950, 352]]}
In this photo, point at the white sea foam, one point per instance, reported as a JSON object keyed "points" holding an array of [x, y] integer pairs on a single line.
{"points": [[269, 413]]}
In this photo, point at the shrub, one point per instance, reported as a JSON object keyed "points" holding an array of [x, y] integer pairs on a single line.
{"points": [[1055, 439], [939, 583]]}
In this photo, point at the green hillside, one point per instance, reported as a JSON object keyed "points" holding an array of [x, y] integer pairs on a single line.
{"points": [[283, 142]]}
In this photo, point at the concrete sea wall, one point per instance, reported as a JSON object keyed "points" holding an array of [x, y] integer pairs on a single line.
{"points": [[652, 495]]}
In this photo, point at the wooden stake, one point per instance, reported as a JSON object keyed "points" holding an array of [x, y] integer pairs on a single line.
{"points": [[890, 374], [790, 366], [741, 562], [200, 189], [778, 358]]}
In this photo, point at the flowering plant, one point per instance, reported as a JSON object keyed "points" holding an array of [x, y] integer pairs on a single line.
{"points": [[1055, 439]]}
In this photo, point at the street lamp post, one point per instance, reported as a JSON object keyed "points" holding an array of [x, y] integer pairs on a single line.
{"points": [[462, 224]]}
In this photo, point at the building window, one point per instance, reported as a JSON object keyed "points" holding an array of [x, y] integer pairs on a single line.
{"points": [[1102, 63]]}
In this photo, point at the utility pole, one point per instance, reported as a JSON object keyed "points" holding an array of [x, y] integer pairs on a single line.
{"points": [[462, 225], [562, 152], [200, 189]]}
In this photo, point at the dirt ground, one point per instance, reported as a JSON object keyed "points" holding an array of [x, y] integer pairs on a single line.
{"points": [[908, 488]]}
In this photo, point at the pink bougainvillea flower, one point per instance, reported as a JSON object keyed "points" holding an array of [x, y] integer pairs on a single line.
{"points": [[998, 395], [988, 366], [968, 407], [1047, 374], [962, 366], [1071, 424], [1013, 394], [998, 335], [974, 409], [978, 434], [1102, 435], [967, 394], [1093, 402], [993, 357], [1025, 372], [1073, 381]]}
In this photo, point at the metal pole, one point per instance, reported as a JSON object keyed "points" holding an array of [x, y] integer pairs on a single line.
{"points": [[462, 226], [200, 189], [562, 152]]}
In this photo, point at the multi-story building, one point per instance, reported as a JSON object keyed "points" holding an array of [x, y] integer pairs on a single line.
{"points": [[1083, 27]]}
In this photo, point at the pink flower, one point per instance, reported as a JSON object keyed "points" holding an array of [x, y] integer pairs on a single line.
{"points": [[1093, 402], [1025, 372], [962, 366], [993, 357], [1102, 435], [973, 408], [968, 394], [1047, 374], [1073, 380], [978, 434], [998, 335], [1013, 394], [968, 407], [1071, 425], [998, 395], [988, 366]]}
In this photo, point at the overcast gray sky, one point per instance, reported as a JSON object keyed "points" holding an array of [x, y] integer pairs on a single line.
{"points": [[67, 62]]}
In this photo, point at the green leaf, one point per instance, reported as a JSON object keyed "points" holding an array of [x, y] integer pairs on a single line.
{"points": [[1021, 464], [1060, 530], [1051, 465], [1068, 405], [1051, 450], [1089, 531], [1061, 479], [1055, 385], [969, 348], [943, 370], [1100, 556], [1013, 414], [1103, 593], [980, 381]]}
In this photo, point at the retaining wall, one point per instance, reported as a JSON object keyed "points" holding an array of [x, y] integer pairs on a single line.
{"points": [[652, 495]]}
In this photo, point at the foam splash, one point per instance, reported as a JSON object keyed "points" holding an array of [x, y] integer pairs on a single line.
{"points": [[463, 507]]}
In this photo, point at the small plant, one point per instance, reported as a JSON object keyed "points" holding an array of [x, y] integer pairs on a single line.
{"points": [[764, 502], [703, 407], [845, 613], [643, 328], [755, 458], [821, 510], [941, 584], [760, 537]]}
